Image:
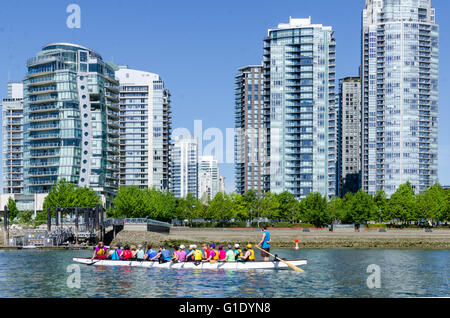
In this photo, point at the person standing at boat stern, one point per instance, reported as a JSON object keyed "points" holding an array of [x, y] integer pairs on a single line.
{"points": [[265, 243]]}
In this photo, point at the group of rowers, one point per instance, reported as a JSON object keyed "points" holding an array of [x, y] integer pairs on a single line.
{"points": [[208, 253]]}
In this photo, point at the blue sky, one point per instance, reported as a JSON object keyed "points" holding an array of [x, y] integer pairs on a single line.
{"points": [[196, 46]]}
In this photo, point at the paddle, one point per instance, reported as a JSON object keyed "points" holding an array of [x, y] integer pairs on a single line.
{"points": [[295, 268], [94, 262]]}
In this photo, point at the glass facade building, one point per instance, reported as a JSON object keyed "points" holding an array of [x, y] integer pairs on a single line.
{"points": [[184, 167], [399, 72], [13, 140], [208, 178], [349, 135], [71, 121], [250, 158], [300, 110], [145, 129]]}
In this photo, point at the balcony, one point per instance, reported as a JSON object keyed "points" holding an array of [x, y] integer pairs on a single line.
{"points": [[43, 109], [44, 127], [43, 100], [45, 136]]}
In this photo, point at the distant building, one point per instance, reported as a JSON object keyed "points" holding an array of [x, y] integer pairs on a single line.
{"points": [[208, 178], [145, 129], [12, 149], [349, 135], [184, 167], [250, 142], [299, 101], [399, 78], [222, 188]]}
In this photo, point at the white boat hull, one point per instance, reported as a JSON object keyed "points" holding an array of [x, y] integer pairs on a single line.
{"points": [[191, 265]]}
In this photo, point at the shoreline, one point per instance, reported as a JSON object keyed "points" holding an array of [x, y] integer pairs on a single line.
{"points": [[286, 239], [281, 238]]}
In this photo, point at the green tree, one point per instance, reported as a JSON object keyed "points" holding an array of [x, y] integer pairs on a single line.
{"points": [[270, 206], [66, 195], [381, 201], [188, 208], [162, 205], [240, 210], [12, 209], [132, 202], [125, 202], [314, 209], [432, 203], [288, 206], [251, 203], [446, 216], [26, 216], [359, 208], [220, 208], [346, 214], [336, 208], [402, 204]]}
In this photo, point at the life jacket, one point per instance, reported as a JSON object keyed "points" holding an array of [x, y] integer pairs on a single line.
{"points": [[198, 256], [238, 253], [216, 255], [252, 255], [126, 254], [166, 255], [101, 251], [207, 252], [115, 256]]}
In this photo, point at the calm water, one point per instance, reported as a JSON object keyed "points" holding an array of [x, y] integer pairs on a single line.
{"points": [[329, 273]]}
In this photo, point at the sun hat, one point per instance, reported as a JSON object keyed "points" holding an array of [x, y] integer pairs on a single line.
{"points": [[229, 246], [249, 245], [182, 247], [236, 245]]}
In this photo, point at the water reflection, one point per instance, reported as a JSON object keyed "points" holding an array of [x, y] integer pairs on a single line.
{"points": [[329, 273]]}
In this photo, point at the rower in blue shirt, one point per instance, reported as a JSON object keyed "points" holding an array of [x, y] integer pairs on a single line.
{"points": [[150, 255]]}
